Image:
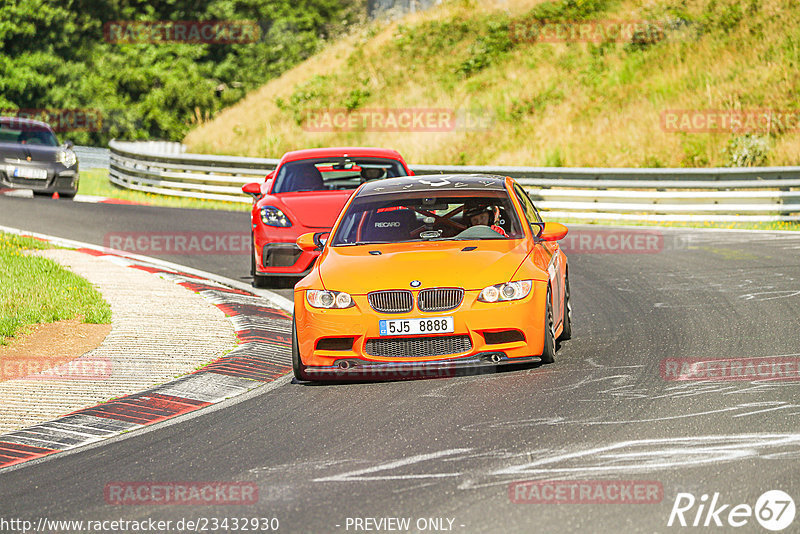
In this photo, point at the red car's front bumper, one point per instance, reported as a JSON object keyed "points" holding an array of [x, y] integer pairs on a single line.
{"points": [[276, 251]]}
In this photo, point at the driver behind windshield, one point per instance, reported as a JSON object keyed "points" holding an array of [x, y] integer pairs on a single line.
{"points": [[484, 215]]}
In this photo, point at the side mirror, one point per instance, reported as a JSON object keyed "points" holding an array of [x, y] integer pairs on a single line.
{"points": [[306, 242], [253, 189], [312, 241], [553, 231]]}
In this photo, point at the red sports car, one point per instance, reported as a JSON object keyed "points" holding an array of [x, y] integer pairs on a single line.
{"points": [[304, 194]]}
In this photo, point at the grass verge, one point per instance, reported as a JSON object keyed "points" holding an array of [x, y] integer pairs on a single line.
{"points": [[37, 290], [95, 182]]}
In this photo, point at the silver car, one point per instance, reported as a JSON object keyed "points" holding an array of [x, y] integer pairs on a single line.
{"points": [[32, 158]]}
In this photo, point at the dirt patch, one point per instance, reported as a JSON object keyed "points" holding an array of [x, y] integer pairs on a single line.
{"points": [[47, 349]]}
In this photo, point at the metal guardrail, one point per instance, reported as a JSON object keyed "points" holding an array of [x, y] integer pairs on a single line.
{"points": [[92, 157], [142, 168], [716, 194]]}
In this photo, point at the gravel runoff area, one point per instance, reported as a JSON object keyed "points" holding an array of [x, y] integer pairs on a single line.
{"points": [[159, 330]]}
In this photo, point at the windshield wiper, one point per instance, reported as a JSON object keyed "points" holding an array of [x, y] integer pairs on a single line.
{"points": [[361, 243]]}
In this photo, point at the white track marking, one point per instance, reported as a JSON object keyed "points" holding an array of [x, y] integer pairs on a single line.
{"points": [[358, 475], [654, 454], [759, 297]]}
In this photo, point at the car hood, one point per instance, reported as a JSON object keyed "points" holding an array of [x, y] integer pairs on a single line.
{"points": [[14, 152], [316, 209], [442, 264]]}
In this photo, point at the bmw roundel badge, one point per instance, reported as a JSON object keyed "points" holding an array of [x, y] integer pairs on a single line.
{"points": [[416, 283]]}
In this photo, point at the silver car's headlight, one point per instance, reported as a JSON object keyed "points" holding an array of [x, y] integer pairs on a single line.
{"points": [[505, 292], [329, 299], [67, 157]]}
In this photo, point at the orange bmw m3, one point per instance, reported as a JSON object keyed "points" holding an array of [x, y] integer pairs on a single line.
{"points": [[426, 274]]}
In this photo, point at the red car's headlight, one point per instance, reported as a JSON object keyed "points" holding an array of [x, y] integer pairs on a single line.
{"points": [[328, 299], [505, 292], [272, 216]]}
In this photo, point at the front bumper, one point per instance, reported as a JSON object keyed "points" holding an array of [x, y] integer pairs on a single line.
{"points": [[63, 182], [284, 259], [476, 364], [277, 253], [335, 340]]}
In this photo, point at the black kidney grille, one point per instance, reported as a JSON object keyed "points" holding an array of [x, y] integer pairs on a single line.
{"points": [[393, 301], [440, 299], [418, 347]]}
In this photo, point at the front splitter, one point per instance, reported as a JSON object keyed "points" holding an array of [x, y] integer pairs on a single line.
{"points": [[414, 370]]}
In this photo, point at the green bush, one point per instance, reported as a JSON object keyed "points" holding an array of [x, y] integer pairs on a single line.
{"points": [[315, 93], [569, 10], [747, 151], [55, 56], [487, 48]]}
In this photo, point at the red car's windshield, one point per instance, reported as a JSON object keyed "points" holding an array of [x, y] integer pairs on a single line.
{"points": [[334, 173]]}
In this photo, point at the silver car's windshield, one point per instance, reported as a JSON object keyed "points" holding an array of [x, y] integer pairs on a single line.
{"points": [[17, 132]]}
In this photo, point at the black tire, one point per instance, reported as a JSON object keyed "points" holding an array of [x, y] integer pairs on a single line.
{"points": [[259, 281], [297, 364], [252, 255], [566, 333], [549, 349]]}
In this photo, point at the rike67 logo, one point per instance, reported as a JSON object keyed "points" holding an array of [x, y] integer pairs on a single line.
{"points": [[774, 510]]}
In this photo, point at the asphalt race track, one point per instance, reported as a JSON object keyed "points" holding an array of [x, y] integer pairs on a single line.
{"points": [[327, 457]]}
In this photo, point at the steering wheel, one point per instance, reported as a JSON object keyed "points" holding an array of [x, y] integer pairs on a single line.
{"points": [[439, 218]]}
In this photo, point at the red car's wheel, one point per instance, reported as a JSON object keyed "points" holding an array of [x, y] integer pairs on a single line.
{"points": [[259, 280]]}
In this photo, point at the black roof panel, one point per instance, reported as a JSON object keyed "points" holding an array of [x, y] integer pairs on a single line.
{"points": [[435, 182]]}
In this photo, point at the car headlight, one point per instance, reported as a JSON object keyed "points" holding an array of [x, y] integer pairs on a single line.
{"points": [[329, 299], [67, 157], [505, 292], [272, 216]]}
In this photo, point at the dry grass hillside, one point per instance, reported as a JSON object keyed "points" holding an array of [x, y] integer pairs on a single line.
{"points": [[543, 103]]}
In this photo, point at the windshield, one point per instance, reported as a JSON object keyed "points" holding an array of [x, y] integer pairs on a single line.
{"points": [[334, 173], [420, 216], [26, 134]]}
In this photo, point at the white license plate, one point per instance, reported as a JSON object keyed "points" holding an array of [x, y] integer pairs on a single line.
{"points": [[29, 172], [405, 327]]}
